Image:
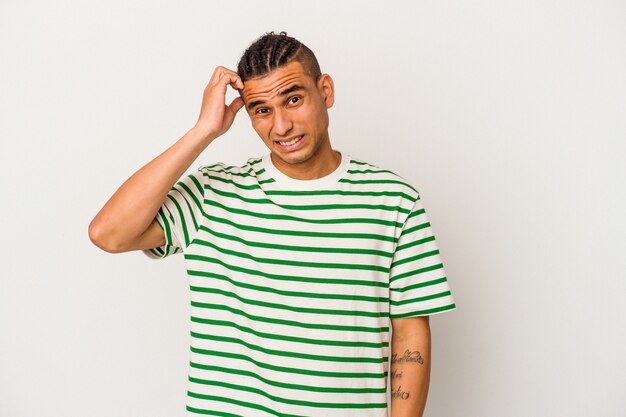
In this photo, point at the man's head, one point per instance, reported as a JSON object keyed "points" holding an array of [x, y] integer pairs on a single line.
{"points": [[287, 99], [272, 51]]}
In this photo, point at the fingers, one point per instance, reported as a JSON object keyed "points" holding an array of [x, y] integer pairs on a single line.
{"points": [[215, 116], [236, 105], [223, 75]]}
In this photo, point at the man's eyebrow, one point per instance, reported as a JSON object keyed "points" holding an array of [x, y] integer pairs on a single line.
{"points": [[284, 92], [291, 89]]}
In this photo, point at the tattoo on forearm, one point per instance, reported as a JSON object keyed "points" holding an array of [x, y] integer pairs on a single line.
{"points": [[408, 357], [399, 394], [395, 374]]}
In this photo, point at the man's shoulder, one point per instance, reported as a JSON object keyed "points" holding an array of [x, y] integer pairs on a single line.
{"points": [[370, 173], [222, 168]]}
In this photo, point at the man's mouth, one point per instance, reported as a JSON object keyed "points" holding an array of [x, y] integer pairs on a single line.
{"points": [[289, 144]]}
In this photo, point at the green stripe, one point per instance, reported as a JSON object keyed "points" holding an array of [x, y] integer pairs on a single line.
{"points": [[419, 299], [295, 193], [181, 216], [415, 228], [168, 231], [311, 404], [250, 173], [301, 371], [333, 327], [229, 170], [289, 338], [277, 306], [162, 221], [342, 192], [255, 186], [206, 167], [191, 210], [359, 162], [423, 312], [286, 385], [193, 195], [300, 232], [294, 248], [373, 171], [415, 212], [330, 281], [415, 258], [415, 243], [310, 206], [325, 295], [419, 285], [416, 272], [297, 219], [303, 264], [287, 353], [377, 182], [240, 403], [197, 183], [212, 413]]}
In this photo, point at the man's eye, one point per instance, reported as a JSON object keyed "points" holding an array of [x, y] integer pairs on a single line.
{"points": [[294, 97], [262, 111]]}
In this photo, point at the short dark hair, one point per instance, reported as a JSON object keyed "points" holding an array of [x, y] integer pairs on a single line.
{"points": [[271, 51]]}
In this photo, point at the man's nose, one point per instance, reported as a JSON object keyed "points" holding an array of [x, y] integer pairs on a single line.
{"points": [[282, 123]]}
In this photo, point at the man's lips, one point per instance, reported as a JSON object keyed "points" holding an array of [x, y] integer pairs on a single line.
{"points": [[287, 143], [288, 139]]}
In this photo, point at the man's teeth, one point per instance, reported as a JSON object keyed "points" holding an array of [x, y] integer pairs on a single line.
{"points": [[291, 142]]}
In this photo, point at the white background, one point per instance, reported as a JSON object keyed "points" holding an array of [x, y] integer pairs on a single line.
{"points": [[507, 116]]}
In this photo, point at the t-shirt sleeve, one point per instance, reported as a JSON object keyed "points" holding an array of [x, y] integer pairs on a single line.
{"points": [[417, 281], [180, 215]]}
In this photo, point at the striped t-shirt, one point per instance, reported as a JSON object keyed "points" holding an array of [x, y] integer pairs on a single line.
{"points": [[293, 284]]}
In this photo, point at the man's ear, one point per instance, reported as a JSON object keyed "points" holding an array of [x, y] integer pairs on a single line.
{"points": [[326, 87], [240, 91]]}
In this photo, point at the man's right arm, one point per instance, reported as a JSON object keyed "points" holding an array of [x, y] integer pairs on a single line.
{"points": [[127, 221]]}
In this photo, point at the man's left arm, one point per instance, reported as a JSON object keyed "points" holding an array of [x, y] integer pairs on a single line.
{"points": [[410, 366]]}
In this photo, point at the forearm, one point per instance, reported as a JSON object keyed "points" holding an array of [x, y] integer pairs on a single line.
{"points": [[132, 208], [410, 372]]}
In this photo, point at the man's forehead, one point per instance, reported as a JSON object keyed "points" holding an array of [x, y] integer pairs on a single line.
{"points": [[275, 82]]}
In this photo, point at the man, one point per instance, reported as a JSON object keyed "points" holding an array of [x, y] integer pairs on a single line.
{"points": [[298, 260]]}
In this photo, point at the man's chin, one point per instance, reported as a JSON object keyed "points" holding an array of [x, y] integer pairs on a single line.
{"points": [[291, 158]]}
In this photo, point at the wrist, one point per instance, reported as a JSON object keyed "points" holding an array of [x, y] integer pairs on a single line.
{"points": [[203, 133], [198, 139]]}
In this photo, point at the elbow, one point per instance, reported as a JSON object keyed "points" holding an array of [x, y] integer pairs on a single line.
{"points": [[102, 239]]}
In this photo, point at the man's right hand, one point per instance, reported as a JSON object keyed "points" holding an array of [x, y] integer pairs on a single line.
{"points": [[215, 116], [127, 220]]}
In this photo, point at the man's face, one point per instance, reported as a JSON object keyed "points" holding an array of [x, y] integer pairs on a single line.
{"points": [[287, 104]]}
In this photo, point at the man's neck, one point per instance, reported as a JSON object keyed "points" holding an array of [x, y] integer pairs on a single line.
{"points": [[314, 168]]}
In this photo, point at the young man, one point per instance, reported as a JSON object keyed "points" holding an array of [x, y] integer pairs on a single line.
{"points": [[298, 260]]}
